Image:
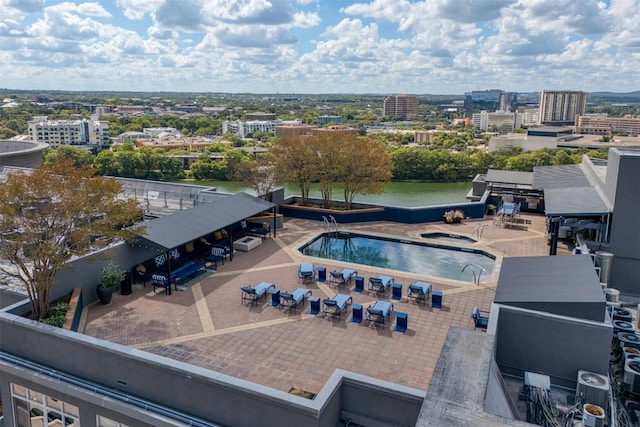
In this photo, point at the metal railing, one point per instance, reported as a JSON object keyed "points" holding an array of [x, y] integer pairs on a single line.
{"points": [[476, 278]]}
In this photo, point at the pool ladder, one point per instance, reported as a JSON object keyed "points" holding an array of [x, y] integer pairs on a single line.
{"points": [[329, 223], [479, 230], [476, 278]]}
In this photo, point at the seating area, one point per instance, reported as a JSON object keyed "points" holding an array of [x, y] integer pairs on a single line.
{"points": [[291, 300], [336, 306], [185, 271], [380, 285], [480, 318], [307, 273], [261, 230], [378, 314], [506, 214], [253, 294], [343, 277], [419, 292]]}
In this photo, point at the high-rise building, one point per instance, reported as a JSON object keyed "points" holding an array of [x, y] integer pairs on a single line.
{"points": [[560, 107], [403, 106], [488, 100]]}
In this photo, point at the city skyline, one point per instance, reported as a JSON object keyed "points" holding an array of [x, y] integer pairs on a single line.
{"points": [[313, 46]]}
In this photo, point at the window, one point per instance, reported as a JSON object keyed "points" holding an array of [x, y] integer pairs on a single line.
{"points": [[106, 422], [34, 409]]}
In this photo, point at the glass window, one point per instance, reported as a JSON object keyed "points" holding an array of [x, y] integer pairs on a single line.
{"points": [[106, 422], [34, 409]]}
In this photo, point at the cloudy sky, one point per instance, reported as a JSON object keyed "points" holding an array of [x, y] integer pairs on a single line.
{"points": [[320, 46]]}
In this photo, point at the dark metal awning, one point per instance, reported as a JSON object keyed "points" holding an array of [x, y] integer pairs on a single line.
{"points": [[185, 226], [496, 176], [574, 201]]}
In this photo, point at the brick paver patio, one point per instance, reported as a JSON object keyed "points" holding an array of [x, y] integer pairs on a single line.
{"points": [[207, 325]]}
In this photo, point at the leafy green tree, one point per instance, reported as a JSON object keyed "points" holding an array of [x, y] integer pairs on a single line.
{"points": [[259, 174], [79, 156], [53, 213], [296, 162]]}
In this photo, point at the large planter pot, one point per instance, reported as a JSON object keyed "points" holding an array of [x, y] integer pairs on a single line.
{"points": [[104, 294]]}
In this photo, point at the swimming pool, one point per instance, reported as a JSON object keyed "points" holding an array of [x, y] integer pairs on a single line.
{"points": [[438, 235], [424, 258]]}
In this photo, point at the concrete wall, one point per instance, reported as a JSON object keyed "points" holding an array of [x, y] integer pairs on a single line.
{"points": [[406, 215], [625, 232], [537, 342], [185, 388]]}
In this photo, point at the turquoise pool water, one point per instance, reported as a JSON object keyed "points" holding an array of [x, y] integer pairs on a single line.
{"points": [[423, 258]]}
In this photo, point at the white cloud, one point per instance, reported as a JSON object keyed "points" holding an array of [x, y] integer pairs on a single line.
{"points": [[412, 46]]}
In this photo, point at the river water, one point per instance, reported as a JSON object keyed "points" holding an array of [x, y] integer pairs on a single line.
{"points": [[406, 194]]}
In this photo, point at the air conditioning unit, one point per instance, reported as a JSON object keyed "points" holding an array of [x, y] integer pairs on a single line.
{"points": [[631, 376], [623, 326], [593, 388], [628, 339]]}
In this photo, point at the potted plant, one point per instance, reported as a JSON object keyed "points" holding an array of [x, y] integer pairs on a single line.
{"points": [[110, 276], [448, 216], [491, 209], [458, 216]]}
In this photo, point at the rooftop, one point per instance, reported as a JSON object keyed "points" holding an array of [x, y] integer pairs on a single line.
{"points": [[206, 325]]}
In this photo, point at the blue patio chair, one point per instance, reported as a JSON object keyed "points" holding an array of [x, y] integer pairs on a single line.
{"points": [[291, 300], [161, 281], [479, 319], [336, 305], [379, 313], [306, 272], [419, 292], [342, 277], [253, 294], [380, 284]]}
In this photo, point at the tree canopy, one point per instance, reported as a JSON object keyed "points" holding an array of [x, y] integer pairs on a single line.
{"points": [[53, 213]]}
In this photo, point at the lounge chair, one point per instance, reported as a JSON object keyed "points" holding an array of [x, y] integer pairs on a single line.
{"points": [[379, 313], [419, 292], [291, 300], [306, 273], [342, 277], [480, 318], [336, 305], [380, 284], [253, 294]]}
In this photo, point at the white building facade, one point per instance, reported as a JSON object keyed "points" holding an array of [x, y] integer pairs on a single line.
{"points": [[245, 129], [69, 132]]}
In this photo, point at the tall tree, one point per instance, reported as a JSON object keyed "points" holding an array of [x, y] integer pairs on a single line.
{"points": [[296, 161], [258, 174], [367, 167], [53, 213]]}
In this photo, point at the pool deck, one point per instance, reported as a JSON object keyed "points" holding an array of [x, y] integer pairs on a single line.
{"points": [[207, 325]]}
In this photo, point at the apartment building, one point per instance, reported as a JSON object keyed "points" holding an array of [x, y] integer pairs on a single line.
{"points": [[560, 107], [497, 121], [489, 100], [403, 106], [604, 125], [91, 132], [244, 129]]}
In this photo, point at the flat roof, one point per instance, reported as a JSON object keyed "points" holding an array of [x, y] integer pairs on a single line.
{"points": [[509, 177], [185, 226], [574, 201], [559, 176], [552, 279]]}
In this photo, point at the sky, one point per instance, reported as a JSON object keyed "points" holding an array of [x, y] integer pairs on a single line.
{"points": [[320, 46]]}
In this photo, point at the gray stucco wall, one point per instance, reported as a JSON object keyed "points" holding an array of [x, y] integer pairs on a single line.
{"points": [[195, 391], [537, 342], [625, 232]]}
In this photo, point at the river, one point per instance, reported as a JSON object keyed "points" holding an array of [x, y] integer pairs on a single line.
{"points": [[406, 194]]}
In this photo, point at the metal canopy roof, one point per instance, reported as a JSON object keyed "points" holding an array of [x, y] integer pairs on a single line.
{"points": [[548, 279], [509, 177], [561, 176], [574, 201], [184, 226]]}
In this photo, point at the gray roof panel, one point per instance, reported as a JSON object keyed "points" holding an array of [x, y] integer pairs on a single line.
{"points": [[184, 226], [553, 279], [509, 177], [573, 202], [561, 176]]}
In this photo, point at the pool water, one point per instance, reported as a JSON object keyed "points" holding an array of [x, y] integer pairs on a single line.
{"points": [[423, 258]]}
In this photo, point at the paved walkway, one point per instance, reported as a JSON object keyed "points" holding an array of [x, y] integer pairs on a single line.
{"points": [[208, 326]]}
